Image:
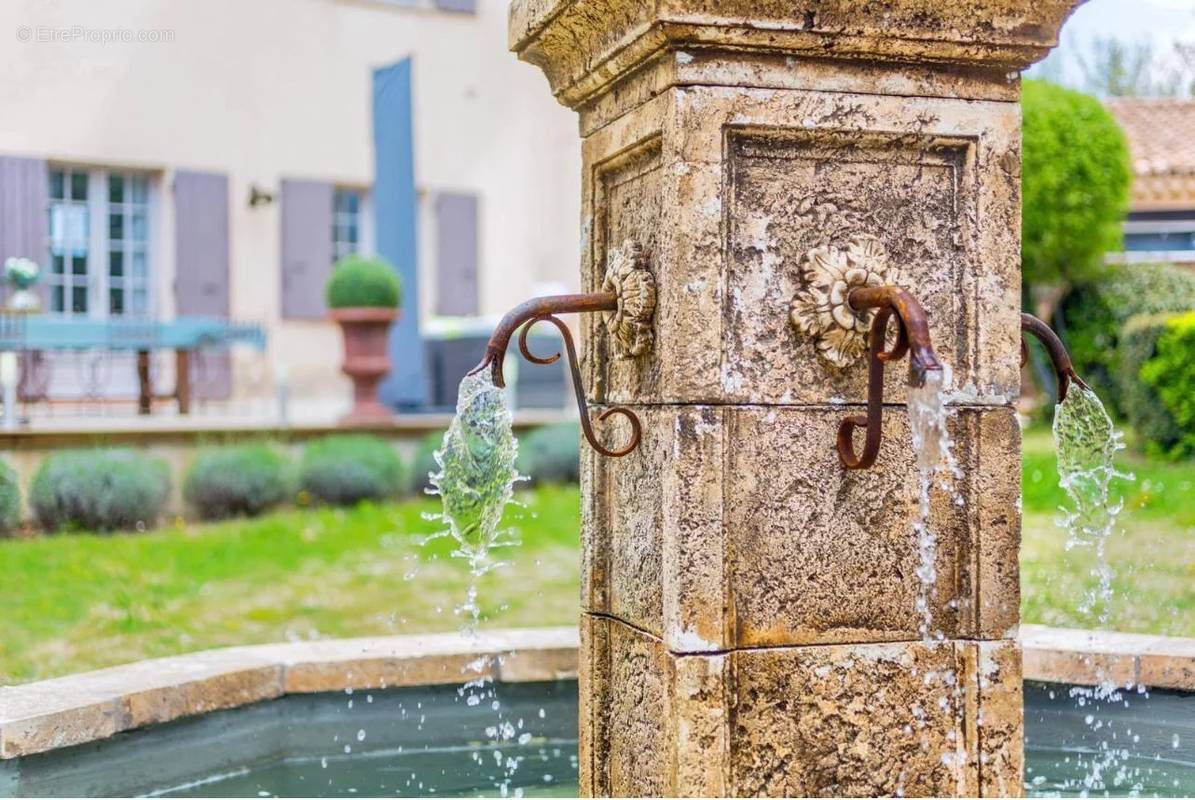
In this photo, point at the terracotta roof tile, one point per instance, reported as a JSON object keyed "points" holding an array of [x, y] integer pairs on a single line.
{"points": [[1161, 133]]}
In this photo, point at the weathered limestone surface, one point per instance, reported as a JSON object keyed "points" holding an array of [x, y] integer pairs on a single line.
{"points": [[729, 189], [736, 526], [848, 720], [752, 621]]}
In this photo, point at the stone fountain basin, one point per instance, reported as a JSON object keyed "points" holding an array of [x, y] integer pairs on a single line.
{"points": [[275, 719]]}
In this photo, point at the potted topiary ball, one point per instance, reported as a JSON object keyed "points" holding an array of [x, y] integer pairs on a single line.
{"points": [[363, 295]]}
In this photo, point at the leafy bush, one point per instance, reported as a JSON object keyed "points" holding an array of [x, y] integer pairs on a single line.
{"points": [[551, 454], [357, 282], [1171, 374], [1090, 318], [237, 481], [1156, 427], [99, 490], [425, 460], [344, 470], [10, 500], [1075, 183]]}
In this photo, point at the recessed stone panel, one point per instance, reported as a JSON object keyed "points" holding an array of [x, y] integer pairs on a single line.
{"points": [[739, 527], [734, 190], [817, 553], [791, 192]]}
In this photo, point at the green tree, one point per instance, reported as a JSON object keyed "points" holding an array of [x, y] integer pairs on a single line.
{"points": [[1075, 181]]}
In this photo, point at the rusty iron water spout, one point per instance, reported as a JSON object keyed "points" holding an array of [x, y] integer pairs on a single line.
{"points": [[1054, 349], [912, 337], [544, 309]]}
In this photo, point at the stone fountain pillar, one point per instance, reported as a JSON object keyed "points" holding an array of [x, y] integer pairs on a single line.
{"points": [[751, 621]]}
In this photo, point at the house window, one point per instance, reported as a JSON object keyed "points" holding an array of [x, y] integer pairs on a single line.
{"points": [[70, 241], [98, 270], [346, 222]]}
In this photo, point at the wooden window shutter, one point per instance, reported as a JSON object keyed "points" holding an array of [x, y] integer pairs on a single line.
{"points": [[24, 198], [460, 6], [201, 268], [456, 255], [306, 250]]}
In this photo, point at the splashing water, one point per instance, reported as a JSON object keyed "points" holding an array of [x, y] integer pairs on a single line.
{"points": [[1087, 443], [475, 483], [937, 469], [476, 480]]}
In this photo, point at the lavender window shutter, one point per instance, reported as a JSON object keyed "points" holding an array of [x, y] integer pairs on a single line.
{"points": [[306, 247], [23, 207], [456, 247], [463, 6], [201, 264]]}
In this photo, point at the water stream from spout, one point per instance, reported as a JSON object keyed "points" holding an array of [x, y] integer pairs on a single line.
{"points": [[937, 471], [475, 482], [1087, 442]]}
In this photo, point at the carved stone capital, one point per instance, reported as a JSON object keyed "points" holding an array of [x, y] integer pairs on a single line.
{"points": [[584, 46], [628, 276], [820, 309]]}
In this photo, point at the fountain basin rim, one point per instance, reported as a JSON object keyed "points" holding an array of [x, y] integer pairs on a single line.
{"points": [[85, 707], [90, 706]]}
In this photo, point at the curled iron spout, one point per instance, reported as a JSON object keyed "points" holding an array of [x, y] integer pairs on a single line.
{"points": [[913, 321], [530, 311], [544, 309], [1056, 351], [912, 337]]}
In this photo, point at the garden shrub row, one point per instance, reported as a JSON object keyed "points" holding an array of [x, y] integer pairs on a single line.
{"points": [[1157, 360], [1092, 317], [118, 489], [99, 490], [1132, 338]]}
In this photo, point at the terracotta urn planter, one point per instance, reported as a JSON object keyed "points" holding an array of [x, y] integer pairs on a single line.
{"points": [[366, 360]]}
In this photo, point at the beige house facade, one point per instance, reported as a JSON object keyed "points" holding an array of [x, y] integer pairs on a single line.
{"points": [[138, 128]]}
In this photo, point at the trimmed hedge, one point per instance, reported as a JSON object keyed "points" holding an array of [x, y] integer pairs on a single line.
{"points": [[551, 454], [1156, 427], [1170, 373], [10, 500], [360, 282], [1090, 319], [99, 490], [344, 470], [242, 480]]}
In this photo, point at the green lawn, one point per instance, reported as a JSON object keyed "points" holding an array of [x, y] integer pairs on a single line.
{"points": [[1152, 556], [71, 603]]}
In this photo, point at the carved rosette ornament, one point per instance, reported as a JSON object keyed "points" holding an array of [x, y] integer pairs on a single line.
{"points": [[821, 310], [628, 277]]}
